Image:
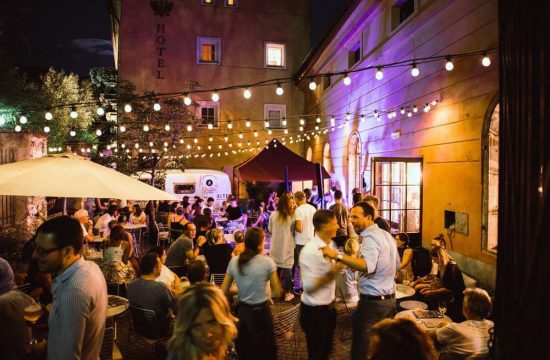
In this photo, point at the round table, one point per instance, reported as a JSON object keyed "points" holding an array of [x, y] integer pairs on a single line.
{"points": [[116, 305], [425, 324], [403, 291]]}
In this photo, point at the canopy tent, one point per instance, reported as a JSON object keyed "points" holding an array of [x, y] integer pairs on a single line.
{"points": [[273, 163]]}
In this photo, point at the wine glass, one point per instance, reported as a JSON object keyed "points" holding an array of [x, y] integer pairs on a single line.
{"points": [[442, 307], [31, 314]]}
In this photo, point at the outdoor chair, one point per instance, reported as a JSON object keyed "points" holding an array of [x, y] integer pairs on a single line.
{"points": [[145, 327], [163, 234], [342, 307], [106, 352], [284, 323], [217, 279]]}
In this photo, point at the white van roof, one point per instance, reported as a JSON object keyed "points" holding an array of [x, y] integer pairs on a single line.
{"points": [[196, 171]]}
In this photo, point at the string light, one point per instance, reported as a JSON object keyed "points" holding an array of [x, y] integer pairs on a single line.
{"points": [[46, 129], [266, 123], [255, 134], [229, 125], [427, 107], [302, 122], [17, 128], [347, 79], [409, 114], [402, 111], [196, 140], [122, 128], [48, 115], [210, 138], [312, 85], [189, 128], [332, 120], [415, 109], [240, 135], [156, 106], [98, 132], [187, 100], [247, 123], [210, 126], [146, 127], [379, 74], [246, 93], [167, 127], [72, 133], [128, 108], [318, 120], [269, 132], [284, 122], [100, 110], [215, 96], [414, 71], [449, 66], [225, 138], [486, 61], [362, 117], [435, 102], [74, 113], [279, 90]]}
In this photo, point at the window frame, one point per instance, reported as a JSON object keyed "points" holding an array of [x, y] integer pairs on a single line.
{"points": [[266, 44], [208, 104], [396, 25], [375, 186], [279, 107], [209, 40]]}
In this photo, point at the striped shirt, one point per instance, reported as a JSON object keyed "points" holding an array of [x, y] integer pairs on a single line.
{"points": [[77, 320]]}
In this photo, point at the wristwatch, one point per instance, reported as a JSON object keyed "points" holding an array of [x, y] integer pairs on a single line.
{"points": [[339, 257]]}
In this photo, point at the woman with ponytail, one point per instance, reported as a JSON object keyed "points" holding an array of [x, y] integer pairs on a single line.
{"points": [[251, 270]]}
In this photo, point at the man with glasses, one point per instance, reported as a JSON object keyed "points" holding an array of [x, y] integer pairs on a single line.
{"points": [[77, 319]]}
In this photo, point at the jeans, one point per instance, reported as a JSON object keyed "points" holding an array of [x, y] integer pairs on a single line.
{"points": [[296, 267], [256, 337], [318, 323], [286, 278], [368, 313]]}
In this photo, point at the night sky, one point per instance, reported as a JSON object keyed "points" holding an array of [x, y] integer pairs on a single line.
{"points": [[73, 35]]}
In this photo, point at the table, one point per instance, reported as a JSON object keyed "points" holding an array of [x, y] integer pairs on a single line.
{"points": [[116, 305], [425, 324], [403, 291]]}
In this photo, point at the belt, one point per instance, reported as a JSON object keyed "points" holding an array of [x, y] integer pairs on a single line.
{"points": [[379, 297], [329, 306]]}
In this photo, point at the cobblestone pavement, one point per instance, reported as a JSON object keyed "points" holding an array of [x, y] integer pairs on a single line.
{"points": [[137, 349]]}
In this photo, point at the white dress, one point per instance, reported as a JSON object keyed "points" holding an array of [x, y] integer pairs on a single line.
{"points": [[281, 241]]}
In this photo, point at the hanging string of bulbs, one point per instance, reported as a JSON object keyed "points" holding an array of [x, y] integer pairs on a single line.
{"points": [[126, 103]]}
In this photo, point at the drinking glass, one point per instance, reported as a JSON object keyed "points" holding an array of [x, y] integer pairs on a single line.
{"points": [[31, 314], [442, 307]]}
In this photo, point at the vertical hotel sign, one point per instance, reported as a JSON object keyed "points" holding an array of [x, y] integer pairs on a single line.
{"points": [[161, 8]]}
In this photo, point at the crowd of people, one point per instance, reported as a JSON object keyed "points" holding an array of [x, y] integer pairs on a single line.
{"points": [[321, 255]]}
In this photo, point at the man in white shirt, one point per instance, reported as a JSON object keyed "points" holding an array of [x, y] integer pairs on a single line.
{"points": [[303, 234], [103, 222], [317, 312], [468, 339], [378, 264]]}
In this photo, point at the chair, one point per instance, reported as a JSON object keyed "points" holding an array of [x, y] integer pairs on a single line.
{"points": [[106, 352], [217, 279], [346, 311], [145, 327], [163, 234], [118, 289], [284, 323], [162, 217]]}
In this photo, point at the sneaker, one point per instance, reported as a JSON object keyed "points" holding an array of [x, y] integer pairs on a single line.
{"points": [[289, 296], [298, 291]]}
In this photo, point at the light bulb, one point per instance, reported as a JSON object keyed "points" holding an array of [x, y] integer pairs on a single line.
{"points": [[415, 109], [312, 85], [229, 125], [247, 123], [348, 116], [414, 71], [247, 94], [225, 138], [434, 103], [486, 61], [266, 124], [98, 132], [128, 108], [240, 135], [402, 111], [73, 113], [156, 106], [210, 138], [23, 119], [379, 74], [409, 114], [427, 108], [167, 127], [283, 122], [269, 132], [48, 115], [362, 117], [72, 133], [187, 100], [449, 66], [347, 79], [301, 128], [46, 129], [285, 131], [318, 120], [332, 120], [122, 128], [302, 122], [215, 97], [145, 127], [17, 128], [100, 111], [279, 90], [189, 128], [196, 141], [255, 134]]}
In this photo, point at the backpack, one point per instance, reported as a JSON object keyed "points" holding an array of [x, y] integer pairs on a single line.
{"points": [[421, 261]]}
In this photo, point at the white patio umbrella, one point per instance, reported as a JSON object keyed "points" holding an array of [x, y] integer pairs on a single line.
{"points": [[68, 175]]}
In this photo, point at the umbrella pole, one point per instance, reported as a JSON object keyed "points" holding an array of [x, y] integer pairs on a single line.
{"points": [[287, 183], [64, 206], [320, 182]]}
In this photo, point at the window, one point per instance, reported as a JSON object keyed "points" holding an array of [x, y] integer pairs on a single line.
{"points": [[354, 163], [398, 185], [208, 2], [231, 3], [184, 188], [490, 181], [354, 54], [274, 114], [208, 113], [401, 12], [275, 54], [327, 164], [7, 203], [208, 50]]}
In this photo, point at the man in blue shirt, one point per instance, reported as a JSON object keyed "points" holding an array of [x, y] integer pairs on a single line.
{"points": [[378, 264]]}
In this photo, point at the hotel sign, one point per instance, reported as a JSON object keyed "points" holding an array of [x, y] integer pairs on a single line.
{"points": [[161, 8]]}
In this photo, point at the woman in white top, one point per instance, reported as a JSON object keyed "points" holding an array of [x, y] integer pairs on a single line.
{"points": [[251, 270], [137, 216], [281, 227]]}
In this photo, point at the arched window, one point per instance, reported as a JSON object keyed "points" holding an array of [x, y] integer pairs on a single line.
{"points": [[327, 164], [354, 163], [309, 154], [489, 227]]}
